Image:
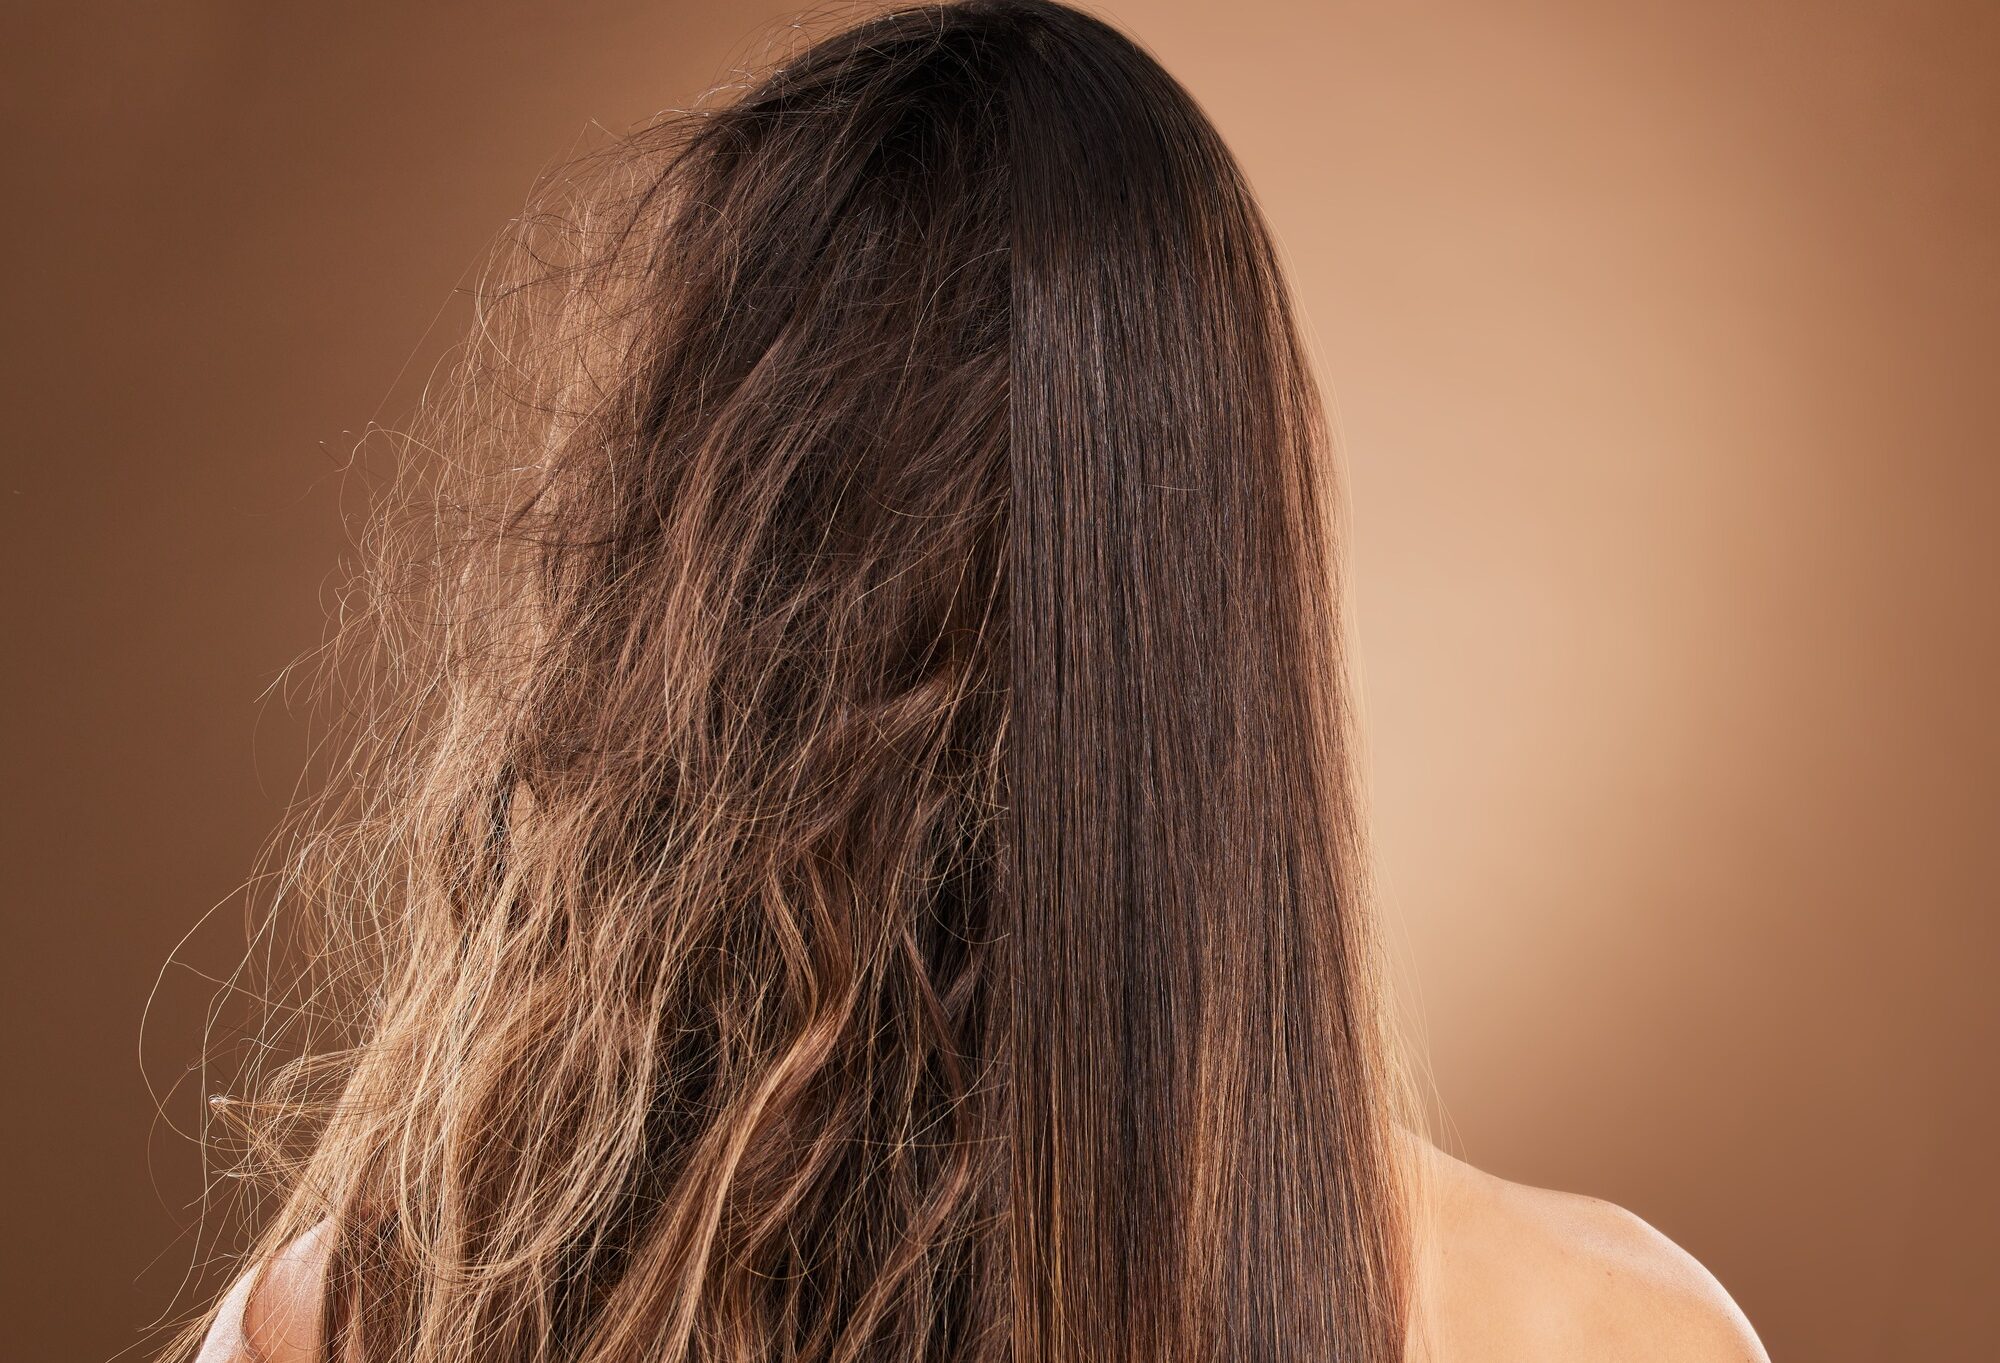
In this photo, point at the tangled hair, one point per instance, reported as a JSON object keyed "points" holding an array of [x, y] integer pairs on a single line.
{"points": [[845, 848]]}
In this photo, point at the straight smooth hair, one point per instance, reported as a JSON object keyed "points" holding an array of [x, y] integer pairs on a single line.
{"points": [[842, 846]]}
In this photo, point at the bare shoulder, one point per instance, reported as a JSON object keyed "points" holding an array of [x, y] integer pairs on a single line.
{"points": [[1507, 1272], [272, 1317]]}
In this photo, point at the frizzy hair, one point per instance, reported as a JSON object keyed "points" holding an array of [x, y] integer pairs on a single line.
{"points": [[844, 846]]}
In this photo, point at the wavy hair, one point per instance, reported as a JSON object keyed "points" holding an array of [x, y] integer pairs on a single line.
{"points": [[844, 847]]}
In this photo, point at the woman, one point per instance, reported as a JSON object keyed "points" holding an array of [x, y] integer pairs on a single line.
{"points": [[854, 856]]}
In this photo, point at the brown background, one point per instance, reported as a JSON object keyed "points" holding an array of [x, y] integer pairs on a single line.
{"points": [[1662, 338]]}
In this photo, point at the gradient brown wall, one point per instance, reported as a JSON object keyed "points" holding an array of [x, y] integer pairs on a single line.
{"points": [[1662, 339]]}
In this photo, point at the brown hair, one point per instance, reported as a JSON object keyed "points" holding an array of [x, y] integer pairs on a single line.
{"points": [[843, 848]]}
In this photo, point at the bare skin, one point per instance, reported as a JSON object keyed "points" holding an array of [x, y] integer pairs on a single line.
{"points": [[1504, 1273]]}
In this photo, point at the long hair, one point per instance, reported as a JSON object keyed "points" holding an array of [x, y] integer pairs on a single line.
{"points": [[844, 846]]}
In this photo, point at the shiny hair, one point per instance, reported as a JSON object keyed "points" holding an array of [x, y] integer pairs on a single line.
{"points": [[844, 846]]}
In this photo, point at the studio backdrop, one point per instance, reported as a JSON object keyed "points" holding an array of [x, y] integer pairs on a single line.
{"points": [[1661, 340]]}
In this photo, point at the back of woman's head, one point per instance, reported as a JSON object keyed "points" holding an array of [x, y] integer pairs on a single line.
{"points": [[844, 851]]}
